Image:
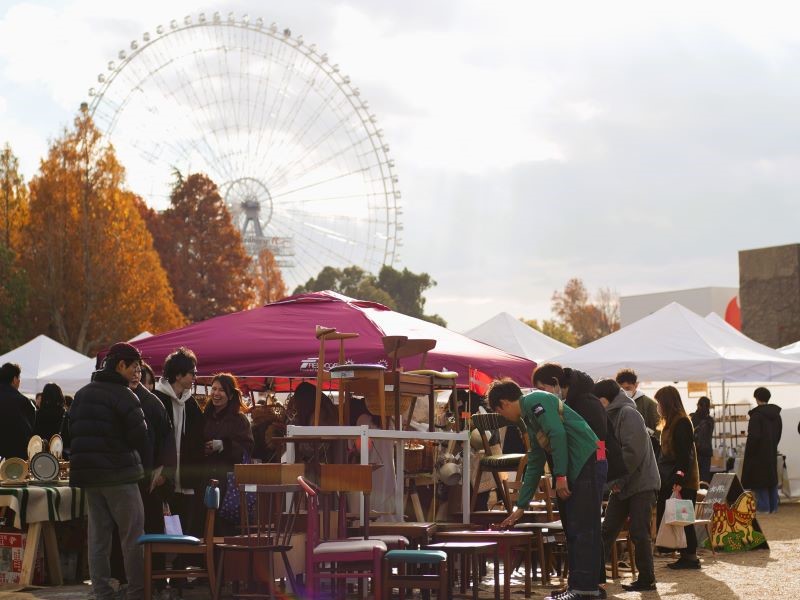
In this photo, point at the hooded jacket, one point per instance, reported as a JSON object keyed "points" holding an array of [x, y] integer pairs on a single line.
{"points": [[637, 451], [109, 434], [186, 421], [760, 468]]}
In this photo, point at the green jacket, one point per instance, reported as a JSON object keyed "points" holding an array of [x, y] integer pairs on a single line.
{"points": [[572, 441]]}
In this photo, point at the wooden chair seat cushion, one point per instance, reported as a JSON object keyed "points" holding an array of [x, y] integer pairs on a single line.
{"points": [[439, 374], [547, 525], [166, 538], [395, 541], [345, 546], [501, 461], [416, 557]]}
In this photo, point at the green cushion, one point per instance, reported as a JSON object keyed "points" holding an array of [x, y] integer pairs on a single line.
{"points": [[428, 557], [501, 461], [166, 538]]}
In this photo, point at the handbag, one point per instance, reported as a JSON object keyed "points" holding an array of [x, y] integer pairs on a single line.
{"points": [[670, 536], [230, 507], [678, 511]]}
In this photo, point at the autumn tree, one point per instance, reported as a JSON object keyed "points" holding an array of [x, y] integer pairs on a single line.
{"points": [[399, 290], [202, 251], [554, 329], [97, 279], [586, 319], [13, 199], [267, 278]]}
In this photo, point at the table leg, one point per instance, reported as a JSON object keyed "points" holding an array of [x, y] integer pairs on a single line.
{"points": [[507, 558], [34, 533], [496, 574], [476, 574], [51, 553], [527, 550]]}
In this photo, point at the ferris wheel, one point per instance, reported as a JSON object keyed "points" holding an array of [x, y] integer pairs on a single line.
{"points": [[294, 149]]}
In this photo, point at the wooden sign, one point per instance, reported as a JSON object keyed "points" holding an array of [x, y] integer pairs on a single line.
{"points": [[695, 389], [732, 512]]}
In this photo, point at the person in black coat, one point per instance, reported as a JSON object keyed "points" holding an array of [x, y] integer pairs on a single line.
{"points": [[109, 437], [760, 468], [17, 414], [51, 415]]}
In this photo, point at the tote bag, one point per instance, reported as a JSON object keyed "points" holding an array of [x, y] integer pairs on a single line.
{"points": [[678, 511], [670, 536], [230, 507]]}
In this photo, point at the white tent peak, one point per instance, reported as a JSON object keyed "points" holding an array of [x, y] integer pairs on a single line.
{"points": [[715, 319], [142, 336], [676, 344], [39, 359], [508, 333], [792, 350]]}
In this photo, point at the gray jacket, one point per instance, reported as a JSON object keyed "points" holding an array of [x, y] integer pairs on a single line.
{"points": [[637, 451]]}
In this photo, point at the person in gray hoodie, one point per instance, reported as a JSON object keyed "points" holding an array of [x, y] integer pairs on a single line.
{"points": [[634, 493]]}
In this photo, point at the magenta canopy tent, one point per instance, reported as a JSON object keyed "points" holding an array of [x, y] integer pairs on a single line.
{"points": [[278, 340]]}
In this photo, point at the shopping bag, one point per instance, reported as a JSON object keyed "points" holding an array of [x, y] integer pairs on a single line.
{"points": [[670, 536], [229, 509], [678, 511], [172, 523]]}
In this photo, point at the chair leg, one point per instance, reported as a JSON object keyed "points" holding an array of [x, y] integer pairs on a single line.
{"points": [[475, 486], [377, 583], [212, 574], [148, 572], [443, 588], [614, 561], [218, 587], [386, 572], [632, 556]]}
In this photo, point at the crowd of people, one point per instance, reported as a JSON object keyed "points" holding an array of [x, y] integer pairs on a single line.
{"points": [[609, 440], [142, 447]]}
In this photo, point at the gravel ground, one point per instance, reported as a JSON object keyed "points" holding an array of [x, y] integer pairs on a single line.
{"points": [[756, 575]]}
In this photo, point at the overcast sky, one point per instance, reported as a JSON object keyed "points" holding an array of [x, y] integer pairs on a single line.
{"points": [[633, 145]]}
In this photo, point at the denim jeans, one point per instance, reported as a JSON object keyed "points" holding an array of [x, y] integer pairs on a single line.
{"points": [[601, 473], [638, 507], [766, 499], [120, 505], [580, 516]]}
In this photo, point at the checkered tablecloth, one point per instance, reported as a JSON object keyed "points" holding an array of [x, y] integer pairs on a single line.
{"points": [[33, 504]]}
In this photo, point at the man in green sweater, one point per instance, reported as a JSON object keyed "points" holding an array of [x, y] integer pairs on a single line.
{"points": [[560, 437]]}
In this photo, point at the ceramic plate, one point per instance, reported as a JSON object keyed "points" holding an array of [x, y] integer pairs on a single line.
{"points": [[35, 445], [13, 469], [56, 446], [44, 466]]}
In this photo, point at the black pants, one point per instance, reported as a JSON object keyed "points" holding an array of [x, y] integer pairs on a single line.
{"points": [[580, 516], [691, 535], [639, 507]]}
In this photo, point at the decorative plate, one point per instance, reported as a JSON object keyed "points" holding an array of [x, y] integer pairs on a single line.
{"points": [[35, 445], [13, 469], [44, 466], [56, 446]]}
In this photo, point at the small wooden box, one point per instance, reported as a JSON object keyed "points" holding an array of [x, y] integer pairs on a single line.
{"points": [[346, 478], [269, 473]]}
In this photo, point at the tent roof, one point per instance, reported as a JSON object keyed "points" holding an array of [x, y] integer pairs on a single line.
{"points": [[792, 350], [515, 337], [675, 344], [38, 359], [278, 340]]}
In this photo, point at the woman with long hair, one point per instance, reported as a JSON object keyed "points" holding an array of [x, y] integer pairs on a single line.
{"points": [[703, 424], [677, 466], [226, 430], [50, 416]]}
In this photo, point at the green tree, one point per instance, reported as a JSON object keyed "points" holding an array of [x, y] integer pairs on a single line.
{"points": [[98, 279], [202, 250], [551, 328], [399, 290]]}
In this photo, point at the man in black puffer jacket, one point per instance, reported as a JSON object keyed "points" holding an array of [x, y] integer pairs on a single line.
{"points": [[109, 437]]}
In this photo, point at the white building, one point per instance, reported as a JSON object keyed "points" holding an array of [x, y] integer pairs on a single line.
{"points": [[699, 300]]}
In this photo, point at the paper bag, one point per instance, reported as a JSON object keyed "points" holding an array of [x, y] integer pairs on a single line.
{"points": [[172, 525]]}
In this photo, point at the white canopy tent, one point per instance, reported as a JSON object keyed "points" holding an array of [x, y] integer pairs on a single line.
{"points": [[792, 350], [715, 319], [675, 344], [71, 379], [507, 333], [39, 359]]}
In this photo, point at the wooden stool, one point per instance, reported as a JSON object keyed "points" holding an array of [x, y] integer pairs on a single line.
{"points": [[470, 553], [436, 580]]}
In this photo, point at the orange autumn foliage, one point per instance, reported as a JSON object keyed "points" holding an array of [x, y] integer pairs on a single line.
{"points": [[96, 276]]}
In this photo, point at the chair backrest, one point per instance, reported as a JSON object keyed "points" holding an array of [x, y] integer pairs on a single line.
{"points": [[211, 500], [399, 346], [339, 479], [326, 333], [484, 422], [274, 517], [312, 517]]}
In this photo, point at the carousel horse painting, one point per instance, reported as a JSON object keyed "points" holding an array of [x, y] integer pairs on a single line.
{"points": [[732, 526]]}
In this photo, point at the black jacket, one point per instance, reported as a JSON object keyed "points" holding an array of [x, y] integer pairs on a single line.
{"points": [[161, 441], [581, 399], [703, 433], [109, 434], [17, 416], [760, 468], [49, 422]]}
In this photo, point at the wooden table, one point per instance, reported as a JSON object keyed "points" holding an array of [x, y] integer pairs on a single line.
{"points": [[36, 508], [470, 552], [507, 542]]}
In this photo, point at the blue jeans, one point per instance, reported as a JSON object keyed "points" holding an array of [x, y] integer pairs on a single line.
{"points": [[766, 499], [580, 516], [120, 505]]}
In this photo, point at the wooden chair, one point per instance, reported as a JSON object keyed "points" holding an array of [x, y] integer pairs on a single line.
{"points": [[162, 543], [323, 334], [270, 534], [340, 559], [430, 572], [497, 463]]}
